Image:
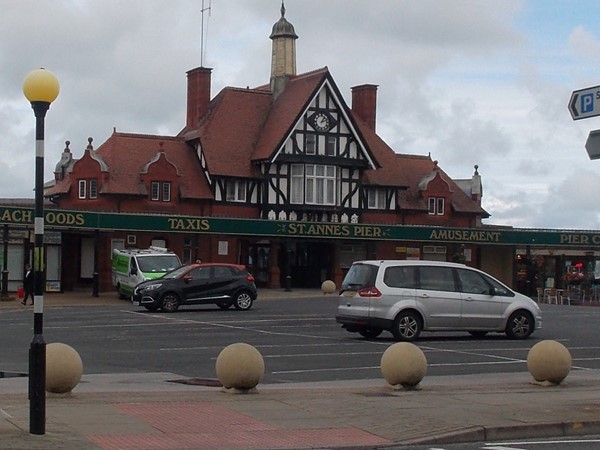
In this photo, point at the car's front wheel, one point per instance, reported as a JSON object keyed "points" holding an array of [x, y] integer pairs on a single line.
{"points": [[243, 301], [520, 325], [407, 326], [170, 302]]}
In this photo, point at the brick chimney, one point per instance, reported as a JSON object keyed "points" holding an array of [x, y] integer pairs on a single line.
{"points": [[198, 95], [364, 103]]}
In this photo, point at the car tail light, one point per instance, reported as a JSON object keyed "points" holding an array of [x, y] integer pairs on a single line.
{"points": [[369, 292], [250, 278]]}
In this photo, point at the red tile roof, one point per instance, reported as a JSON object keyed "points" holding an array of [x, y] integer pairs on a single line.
{"points": [[126, 155], [245, 126]]}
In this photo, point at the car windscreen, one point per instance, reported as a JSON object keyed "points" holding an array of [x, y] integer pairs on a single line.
{"points": [[359, 276], [158, 263]]}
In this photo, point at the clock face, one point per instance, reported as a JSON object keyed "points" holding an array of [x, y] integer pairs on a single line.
{"points": [[321, 122]]}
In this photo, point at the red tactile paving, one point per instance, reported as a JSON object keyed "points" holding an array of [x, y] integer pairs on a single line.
{"points": [[207, 426]]}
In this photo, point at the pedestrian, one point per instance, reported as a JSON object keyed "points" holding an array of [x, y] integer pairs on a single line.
{"points": [[28, 284]]}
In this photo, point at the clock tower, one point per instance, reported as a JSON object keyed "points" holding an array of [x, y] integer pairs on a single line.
{"points": [[283, 60]]}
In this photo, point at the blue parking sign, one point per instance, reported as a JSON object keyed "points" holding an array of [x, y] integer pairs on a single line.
{"points": [[587, 103]]}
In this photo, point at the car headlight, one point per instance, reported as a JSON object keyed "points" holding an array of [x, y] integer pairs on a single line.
{"points": [[151, 287]]}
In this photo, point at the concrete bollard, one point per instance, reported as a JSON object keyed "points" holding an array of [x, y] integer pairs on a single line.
{"points": [[404, 364], [549, 362], [240, 367], [63, 368], [328, 287]]}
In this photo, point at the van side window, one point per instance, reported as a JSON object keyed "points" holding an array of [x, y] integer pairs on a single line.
{"points": [[400, 277], [472, 282], [437, 278]]}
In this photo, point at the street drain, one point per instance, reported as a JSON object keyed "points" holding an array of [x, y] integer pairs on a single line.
{"points": [[198, 382]]}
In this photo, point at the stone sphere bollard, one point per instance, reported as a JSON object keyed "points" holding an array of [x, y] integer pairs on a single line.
{"points": [[240, 366], [403, 364], [328, 287], [63, 368], [549, 361]]}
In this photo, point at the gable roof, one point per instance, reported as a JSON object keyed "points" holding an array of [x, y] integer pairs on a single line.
{"points": [[286, 111]]}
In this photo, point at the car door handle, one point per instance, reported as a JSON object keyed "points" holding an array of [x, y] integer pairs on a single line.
{"points": [[469, 299]]}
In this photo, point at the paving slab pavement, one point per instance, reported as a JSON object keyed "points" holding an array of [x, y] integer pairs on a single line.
{"points": [[166, 411]]}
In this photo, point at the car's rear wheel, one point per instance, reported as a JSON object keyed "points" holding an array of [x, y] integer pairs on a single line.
{"points": [[224, 305], [370, 333], [407, 326], [170, 302], [243, 301], [520, 325]]}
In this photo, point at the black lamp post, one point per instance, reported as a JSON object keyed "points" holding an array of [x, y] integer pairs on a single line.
{"points": [[41, 88]]}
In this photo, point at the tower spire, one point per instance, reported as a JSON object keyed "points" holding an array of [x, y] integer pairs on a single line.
{"points": [[283, 62]]}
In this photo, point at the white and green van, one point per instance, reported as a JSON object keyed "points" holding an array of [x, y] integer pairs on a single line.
{"points": [[132, 266]]}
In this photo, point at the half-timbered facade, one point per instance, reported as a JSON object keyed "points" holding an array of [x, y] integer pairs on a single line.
{"points": [[292, 150]]}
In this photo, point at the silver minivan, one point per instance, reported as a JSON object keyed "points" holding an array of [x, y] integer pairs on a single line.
{"points": [[406, 297]]}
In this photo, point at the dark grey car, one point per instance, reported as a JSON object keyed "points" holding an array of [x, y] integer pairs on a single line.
{"points": [[210, 283]]}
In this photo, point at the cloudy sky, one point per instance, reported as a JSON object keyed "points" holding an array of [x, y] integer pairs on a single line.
{"points": [[481, 82]]}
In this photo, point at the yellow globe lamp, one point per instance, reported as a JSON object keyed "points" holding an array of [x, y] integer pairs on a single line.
{"points": [[41, 85]]}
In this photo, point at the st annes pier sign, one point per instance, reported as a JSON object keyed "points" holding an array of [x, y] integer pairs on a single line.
{"points": [[84, 220]]}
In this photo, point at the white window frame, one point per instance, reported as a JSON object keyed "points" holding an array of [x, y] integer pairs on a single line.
{"points": [[87, 189], [376, 198], [235, 190], [82, 189], [436, 206], [166, 191], [155, 191], [297, 184], [93, 188], [320, 184], [160, 191]]}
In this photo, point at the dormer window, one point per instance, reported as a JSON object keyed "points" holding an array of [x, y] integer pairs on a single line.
{"points": [[160, 191], [436, 206], [376, 199], [88, 189], [236, 190]]}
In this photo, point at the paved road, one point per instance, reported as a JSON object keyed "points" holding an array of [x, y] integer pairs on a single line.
{"points": [[298, 339]]}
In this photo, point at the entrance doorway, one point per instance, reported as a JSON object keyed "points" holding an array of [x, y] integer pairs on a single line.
{"points": [[307, 263]]}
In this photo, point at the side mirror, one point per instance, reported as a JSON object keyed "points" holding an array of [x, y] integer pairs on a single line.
{"points": [[134, 271], [187, 278]]}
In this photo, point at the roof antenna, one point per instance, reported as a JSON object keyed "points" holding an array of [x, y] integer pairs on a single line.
{"points": [[202, 50]]}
